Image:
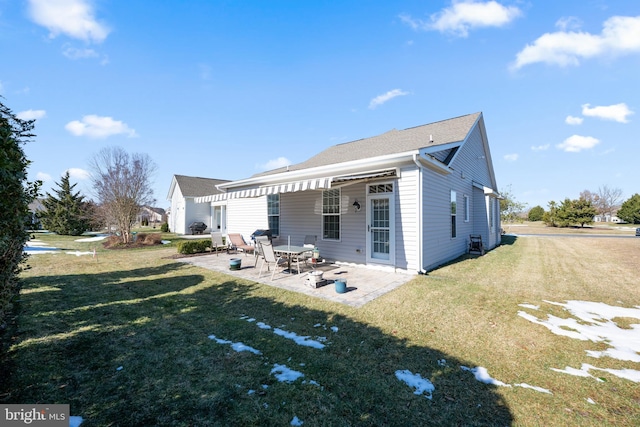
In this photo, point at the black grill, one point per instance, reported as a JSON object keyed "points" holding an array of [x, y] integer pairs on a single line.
{"points": [[197, 227], [258, 233]]}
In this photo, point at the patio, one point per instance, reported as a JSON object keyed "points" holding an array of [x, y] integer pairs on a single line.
{"points": [[363, 284]]}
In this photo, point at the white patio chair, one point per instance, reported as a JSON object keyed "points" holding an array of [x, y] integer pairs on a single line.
{"points": [[258, 251], [269, 257], [216, 242]]}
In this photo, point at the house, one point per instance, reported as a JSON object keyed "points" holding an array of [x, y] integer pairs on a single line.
{"points": [[406, 200], [151, 216], [184, 210], [36, 207]]}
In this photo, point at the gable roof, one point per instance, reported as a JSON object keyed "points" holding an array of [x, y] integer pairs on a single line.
{"points": [[394, 141], [194, 186], [434, 146]]}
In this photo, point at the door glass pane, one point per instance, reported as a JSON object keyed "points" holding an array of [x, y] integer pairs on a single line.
{"points": [[380, 242], [380, 213]]}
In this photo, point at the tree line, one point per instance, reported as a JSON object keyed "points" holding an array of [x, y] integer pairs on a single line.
{"points": [[122, 185], [606, 202]]}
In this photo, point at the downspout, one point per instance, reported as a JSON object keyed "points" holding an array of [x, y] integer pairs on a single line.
{"points": [[420, 205]]}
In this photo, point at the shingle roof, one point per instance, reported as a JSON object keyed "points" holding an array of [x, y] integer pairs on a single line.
{"points": [[394, 141], [193, 186]]}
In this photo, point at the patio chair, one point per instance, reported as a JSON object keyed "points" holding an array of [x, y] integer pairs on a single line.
{"points": [[236, 242], [269, 258], [475, 244], [309, 242], [216, 242], [258, 252]]}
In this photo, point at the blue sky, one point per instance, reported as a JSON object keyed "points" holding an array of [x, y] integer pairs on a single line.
{"points": [[226, 89]]}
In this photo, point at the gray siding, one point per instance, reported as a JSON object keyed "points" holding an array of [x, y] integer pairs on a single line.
{"points": [[469, 166], [301, 214]]}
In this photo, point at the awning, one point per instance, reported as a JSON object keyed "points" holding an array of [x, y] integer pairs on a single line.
{"points": [[363, 176], [295, 186]]}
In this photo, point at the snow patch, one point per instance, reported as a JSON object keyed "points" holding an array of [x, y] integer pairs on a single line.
{"points": [[593, 321], [421, 385]]}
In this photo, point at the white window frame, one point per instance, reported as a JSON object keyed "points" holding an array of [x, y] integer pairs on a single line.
{"points": [[270, 214], [454, 214], [332, 210]]}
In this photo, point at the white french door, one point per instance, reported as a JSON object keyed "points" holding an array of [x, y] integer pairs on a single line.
{"points": [[380, 224]]}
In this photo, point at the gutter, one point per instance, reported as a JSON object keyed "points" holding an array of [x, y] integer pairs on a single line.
{"points": [[419, 209]]}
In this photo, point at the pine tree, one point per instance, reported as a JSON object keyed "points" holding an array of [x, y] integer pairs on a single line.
{"points": [[65, 214]]}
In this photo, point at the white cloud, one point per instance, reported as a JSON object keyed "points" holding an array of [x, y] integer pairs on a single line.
{"points": [[511, 157], [540, 147], [381, 99], [73, 18], [465, 15], [568, 23], [43, 176], [75, 53], [280, 162], [31, 114], [620, 35], [577, 143], [617, 112], [99, 127], [79, 174], [570, 120]]}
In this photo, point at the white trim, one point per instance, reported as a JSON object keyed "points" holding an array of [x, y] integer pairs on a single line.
{"points": [[391, 197]]}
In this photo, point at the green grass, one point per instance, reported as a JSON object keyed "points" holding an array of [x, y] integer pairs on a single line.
{"points": [[81, 319]]}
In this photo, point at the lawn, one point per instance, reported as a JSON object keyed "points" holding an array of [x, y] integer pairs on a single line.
{"points": [[132, 337]]}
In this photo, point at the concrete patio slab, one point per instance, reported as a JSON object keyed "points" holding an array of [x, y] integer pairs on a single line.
{"points": [[363, 284]]}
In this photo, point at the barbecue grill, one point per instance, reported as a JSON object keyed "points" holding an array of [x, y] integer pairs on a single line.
{"points": [[197, 227], [259, 232]]}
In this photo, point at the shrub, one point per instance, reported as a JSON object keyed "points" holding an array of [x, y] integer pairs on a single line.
{"points": [[164, 227], [148, 239], [536, 213], [189, 247], [15, 195]]}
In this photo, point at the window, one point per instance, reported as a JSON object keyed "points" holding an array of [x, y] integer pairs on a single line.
{"points": [[331, 214], [273, 213], [465, 199], [454, 212]]}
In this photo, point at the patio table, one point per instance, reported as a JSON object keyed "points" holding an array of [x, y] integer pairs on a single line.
{"points": [[290, 251]]}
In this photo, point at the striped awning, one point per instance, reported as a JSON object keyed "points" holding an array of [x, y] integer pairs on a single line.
{"points": [[295, 186]]}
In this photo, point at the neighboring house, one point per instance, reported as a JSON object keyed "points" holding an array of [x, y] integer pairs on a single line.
{"points": [[608, 218], [406, 200], [184, 210], [151, 215], [35, 208]]}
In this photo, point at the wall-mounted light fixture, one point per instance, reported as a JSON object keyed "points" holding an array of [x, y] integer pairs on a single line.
{"points": [[356, 206]]}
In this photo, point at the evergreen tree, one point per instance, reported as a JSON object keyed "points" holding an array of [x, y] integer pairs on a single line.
{"points": [[536, 213], [630, 210], [550, 217], [65, 214], [15, 195], [572, 212]]}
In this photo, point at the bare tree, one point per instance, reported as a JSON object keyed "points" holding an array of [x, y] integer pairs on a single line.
{"points": [[122, 185], [609, 200]]}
